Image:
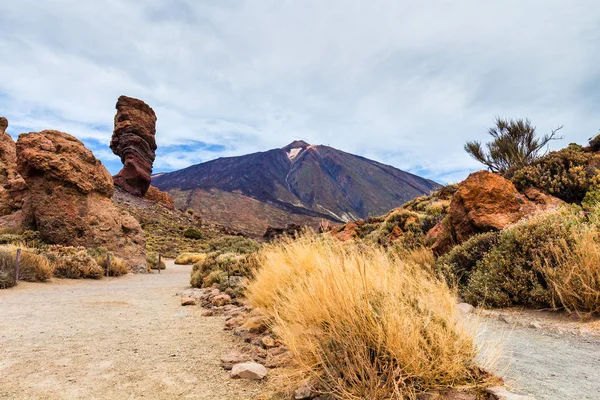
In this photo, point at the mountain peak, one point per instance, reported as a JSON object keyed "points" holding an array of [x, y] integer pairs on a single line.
{"points": [[295, 145]]}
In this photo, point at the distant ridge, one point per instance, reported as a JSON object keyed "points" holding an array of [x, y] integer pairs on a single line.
{"points": [[299, 183]]}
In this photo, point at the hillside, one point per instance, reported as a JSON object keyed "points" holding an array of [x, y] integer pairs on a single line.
{"points": [[299, 183]]}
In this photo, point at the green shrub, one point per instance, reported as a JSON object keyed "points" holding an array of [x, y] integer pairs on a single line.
{"points": [[567, 174], [192, 233], [509, 273], [456, 266], [216, 265], [152, 261]]}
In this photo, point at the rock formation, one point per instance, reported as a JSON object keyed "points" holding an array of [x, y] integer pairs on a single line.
{"points": [[69, 198], [12, 185], [486, 202], [155, 195], [133, 141]]}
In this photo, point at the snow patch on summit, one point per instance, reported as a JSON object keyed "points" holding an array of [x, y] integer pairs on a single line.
{"points": [[293, 153]]}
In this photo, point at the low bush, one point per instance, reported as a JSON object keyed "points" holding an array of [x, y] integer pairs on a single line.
{"points": [[567, 174], [189, 258], [192, 233], [74, 263], [456, 265], [225, 269], [362, 322], [509, 273], [117, 266], [152, 261]]}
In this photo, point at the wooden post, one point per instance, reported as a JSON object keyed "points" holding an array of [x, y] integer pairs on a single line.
{"points": [[107, 264], [159, 261], [17, 266]]}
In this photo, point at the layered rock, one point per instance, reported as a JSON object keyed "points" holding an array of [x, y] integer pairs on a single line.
{"points": [[12, 185], [69, 197], [486, 202], [133, 140], [155, 195]]}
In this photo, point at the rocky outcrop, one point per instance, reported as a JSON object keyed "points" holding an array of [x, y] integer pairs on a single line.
{"points": [[486, 202], [12, 185], [155, 195], [133, 140], [69, 197]]}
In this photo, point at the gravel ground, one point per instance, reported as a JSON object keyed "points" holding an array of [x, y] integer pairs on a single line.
{"points": [[117, 338], [545, 362]]}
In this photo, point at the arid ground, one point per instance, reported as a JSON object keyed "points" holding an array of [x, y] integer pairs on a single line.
{"points": [[121, 338], [129, 338]]}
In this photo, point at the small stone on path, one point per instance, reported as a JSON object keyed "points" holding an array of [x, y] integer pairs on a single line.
{"points": [[248, 370]]}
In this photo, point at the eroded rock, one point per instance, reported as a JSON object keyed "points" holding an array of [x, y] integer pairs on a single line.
{"points": [[155, 195], [486, 202], [12, 184], [69, 197], [133, 140]]}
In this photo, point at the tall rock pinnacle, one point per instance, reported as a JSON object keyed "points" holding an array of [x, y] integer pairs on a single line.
{"points": [[133, 140]]}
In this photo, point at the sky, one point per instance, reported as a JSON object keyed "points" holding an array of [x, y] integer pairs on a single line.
{"points": [[406, 83]]}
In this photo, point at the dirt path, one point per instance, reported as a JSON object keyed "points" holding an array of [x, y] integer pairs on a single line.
{"points": [[123, 338], [547, 362]]}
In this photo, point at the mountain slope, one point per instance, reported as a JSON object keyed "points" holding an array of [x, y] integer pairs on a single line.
{"points": [[298, 183]]}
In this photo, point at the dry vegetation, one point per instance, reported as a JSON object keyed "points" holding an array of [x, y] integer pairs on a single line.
{"points": [[189, 258], [361, 321]]}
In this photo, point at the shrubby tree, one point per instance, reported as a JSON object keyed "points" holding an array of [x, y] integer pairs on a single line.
{"points": [[515, 144]]}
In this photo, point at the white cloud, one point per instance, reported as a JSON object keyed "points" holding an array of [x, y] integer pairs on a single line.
{"points": [[403, 82]]}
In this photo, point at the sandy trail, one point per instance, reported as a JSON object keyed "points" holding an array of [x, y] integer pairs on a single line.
{"points": [[546, 365], [117, 338]]}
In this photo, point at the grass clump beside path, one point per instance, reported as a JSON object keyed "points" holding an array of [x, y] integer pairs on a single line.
{"points": [[363, 323]]}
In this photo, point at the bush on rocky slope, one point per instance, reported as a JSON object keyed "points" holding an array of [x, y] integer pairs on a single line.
{"points": [[567, 174]]}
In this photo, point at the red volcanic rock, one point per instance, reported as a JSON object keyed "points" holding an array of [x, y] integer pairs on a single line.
{"points": [[12, 185], [155, 195], [133, 140], [69, 197], [486, 202]]}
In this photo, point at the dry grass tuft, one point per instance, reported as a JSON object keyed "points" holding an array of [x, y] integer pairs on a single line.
{"points": [[362, 322], [190, 258], [572, 270], [33, 267]]}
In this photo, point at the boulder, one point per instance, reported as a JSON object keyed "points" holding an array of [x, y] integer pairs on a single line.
{"points": [[133, 140], [348, 232], [155, 195], [12, 184], [69, 197], [248, 370], [486, 202]]}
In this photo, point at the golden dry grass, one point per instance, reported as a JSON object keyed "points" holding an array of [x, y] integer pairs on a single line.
{"points": [[362, 322], [190, 258], [572, 271], [33, 267]]}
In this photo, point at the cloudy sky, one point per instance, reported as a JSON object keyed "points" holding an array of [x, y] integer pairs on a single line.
{"points": [[402, 82]]}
